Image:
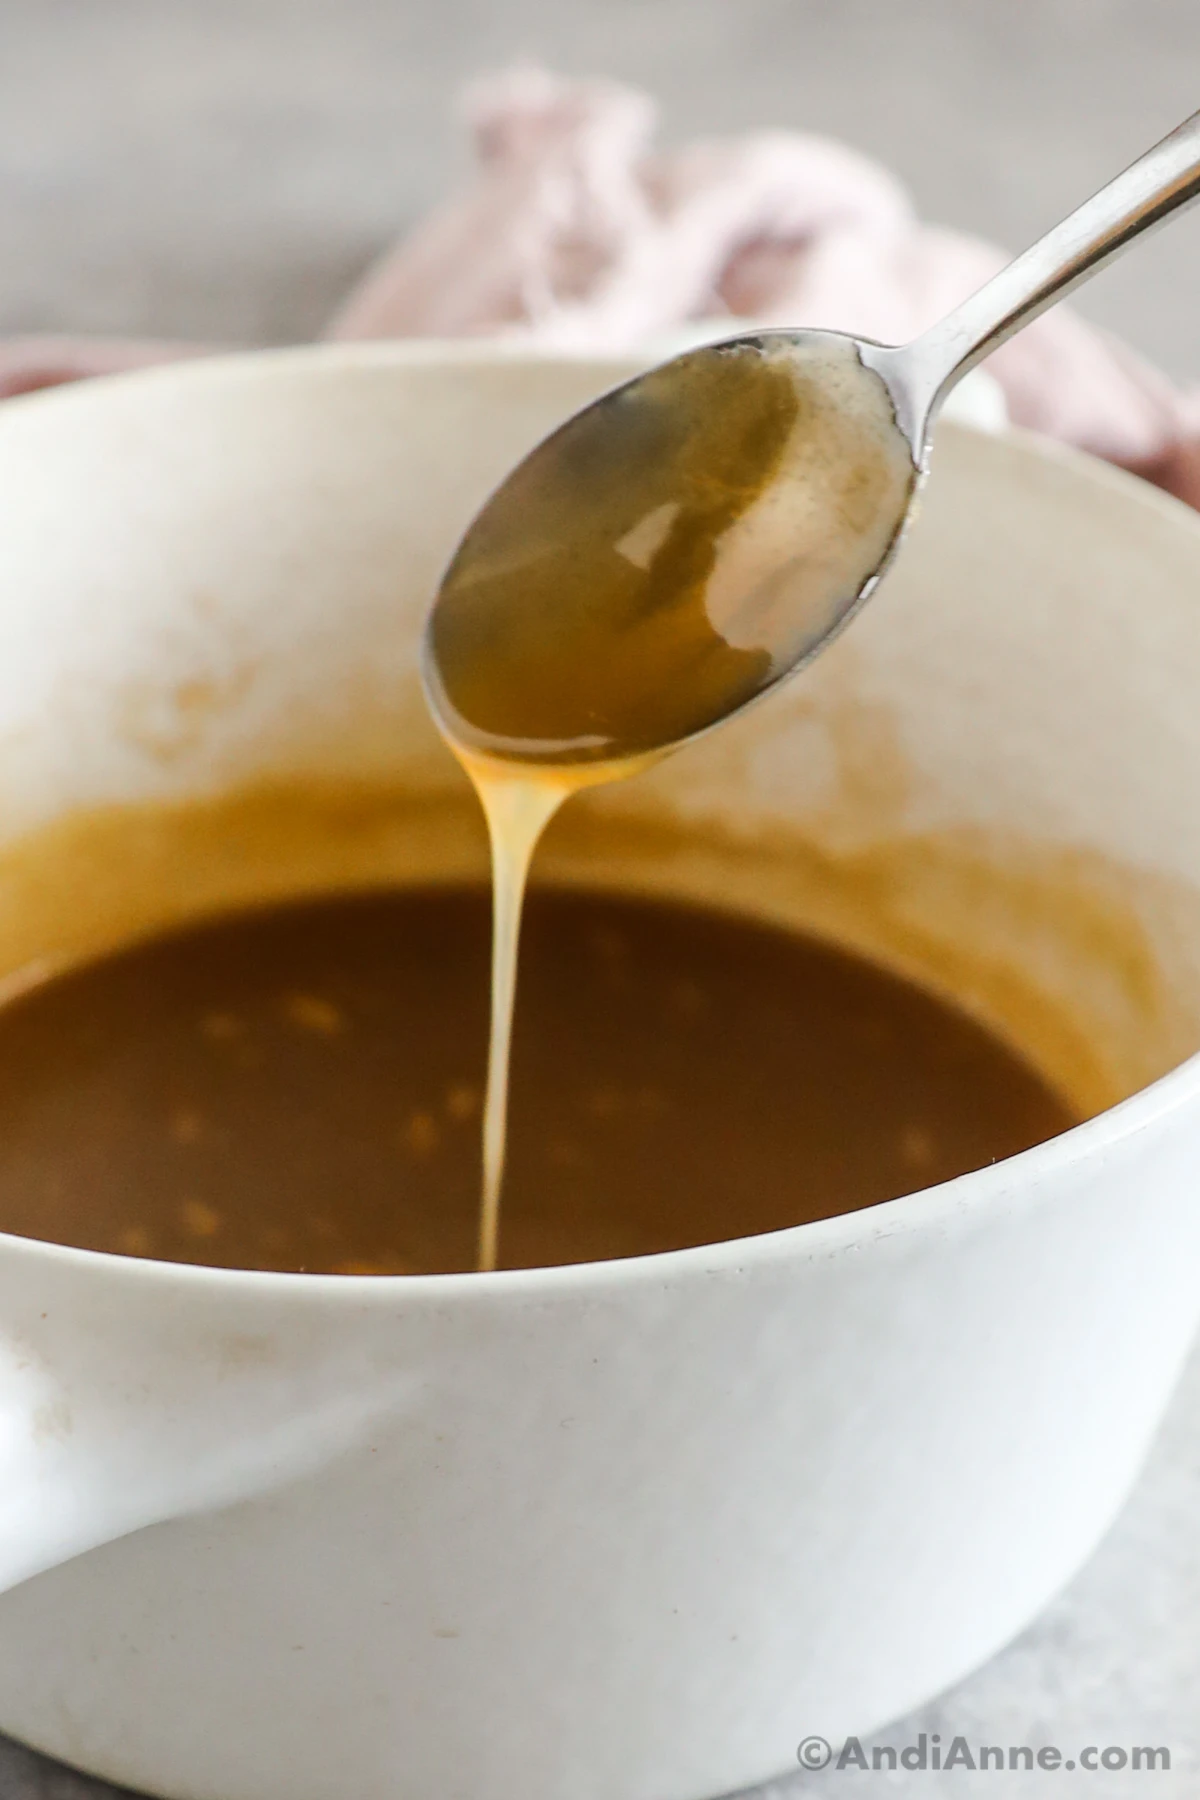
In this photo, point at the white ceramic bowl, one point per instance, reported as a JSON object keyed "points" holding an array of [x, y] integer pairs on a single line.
{"points": [[625, 1531]]}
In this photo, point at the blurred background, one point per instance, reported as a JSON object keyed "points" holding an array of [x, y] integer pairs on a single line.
{"points": [[223, 169]]}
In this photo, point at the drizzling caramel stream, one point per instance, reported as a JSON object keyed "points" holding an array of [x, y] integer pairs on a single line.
{"points": [[518, 808], [518, 805]]}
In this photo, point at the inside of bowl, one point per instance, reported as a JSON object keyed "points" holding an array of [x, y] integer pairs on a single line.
{"points": [[211, 595]]}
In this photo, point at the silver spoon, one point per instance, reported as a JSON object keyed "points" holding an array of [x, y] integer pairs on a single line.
{"points": [[693, 537]]}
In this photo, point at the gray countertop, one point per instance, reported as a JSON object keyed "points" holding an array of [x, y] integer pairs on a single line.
{"points": [[221, 169]]}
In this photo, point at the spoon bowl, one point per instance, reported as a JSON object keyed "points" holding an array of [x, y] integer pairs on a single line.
{"points": [[671, 552]]}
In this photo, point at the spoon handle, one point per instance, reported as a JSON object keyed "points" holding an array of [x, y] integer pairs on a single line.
{"points": [[1147, 193]]}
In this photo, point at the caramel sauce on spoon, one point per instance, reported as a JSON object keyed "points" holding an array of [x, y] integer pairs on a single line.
{"points": [[662, 560]]}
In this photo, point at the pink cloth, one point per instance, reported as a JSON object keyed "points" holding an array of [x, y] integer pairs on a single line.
{"points": [[578, 233]]}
